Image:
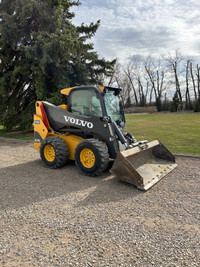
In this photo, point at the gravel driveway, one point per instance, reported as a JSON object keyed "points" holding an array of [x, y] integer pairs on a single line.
{"points": [[62, 218]]}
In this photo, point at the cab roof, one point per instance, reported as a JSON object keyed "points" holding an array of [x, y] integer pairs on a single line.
{"points": [[66, 91]]}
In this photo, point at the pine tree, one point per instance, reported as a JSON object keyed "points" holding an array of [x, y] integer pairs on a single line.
{"points": [[175, 103], [41, 52], [159, 104]]}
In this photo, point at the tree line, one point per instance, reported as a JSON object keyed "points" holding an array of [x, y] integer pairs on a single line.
{"points": [[171, 82], [42, 52]]}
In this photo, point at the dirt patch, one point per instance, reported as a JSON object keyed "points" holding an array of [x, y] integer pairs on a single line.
{"points": [[151, 109]]}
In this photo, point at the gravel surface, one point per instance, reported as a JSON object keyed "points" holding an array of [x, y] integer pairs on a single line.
{"points": [[62, 218]]}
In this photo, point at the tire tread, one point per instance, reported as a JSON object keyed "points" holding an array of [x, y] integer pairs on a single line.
{"points": [[104, 156], [61, 150]]}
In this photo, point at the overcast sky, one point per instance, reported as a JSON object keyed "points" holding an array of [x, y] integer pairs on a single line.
{"points": [[136, 27]]}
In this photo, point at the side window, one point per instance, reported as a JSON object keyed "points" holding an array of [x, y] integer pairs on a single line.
{"points": [[85, 102]]}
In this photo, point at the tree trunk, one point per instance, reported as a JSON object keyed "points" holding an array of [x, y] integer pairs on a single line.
{"points": [[178, 90], [150, 97], [152, 80], [128, 74], [161, 83], [193, 82], [187, 92], [198, 80]]}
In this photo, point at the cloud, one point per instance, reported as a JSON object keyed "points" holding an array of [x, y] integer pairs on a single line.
{"points": [[137, 58], [142, 27]]}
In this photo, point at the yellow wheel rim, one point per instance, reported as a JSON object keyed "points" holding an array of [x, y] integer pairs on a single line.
{"points": [[49, 153], [87, 158]]}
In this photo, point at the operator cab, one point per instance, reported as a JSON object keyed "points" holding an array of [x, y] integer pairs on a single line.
{"points": [[113, 104], [97, 102], [85, 102]]}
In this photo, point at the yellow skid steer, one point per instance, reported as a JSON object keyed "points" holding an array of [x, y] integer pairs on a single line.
{"points": [[89, 129]]}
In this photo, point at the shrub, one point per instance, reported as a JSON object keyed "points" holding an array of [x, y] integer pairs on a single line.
{"points": [[197, 106], [143, 101], [175, 103], [158, 104]]}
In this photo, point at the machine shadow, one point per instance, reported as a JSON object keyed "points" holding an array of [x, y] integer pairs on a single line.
{"points": [[31, 182]]}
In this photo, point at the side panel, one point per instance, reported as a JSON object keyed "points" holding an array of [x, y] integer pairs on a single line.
{"points": [[40, 132], [52, 118], [63, 106], [59, 119], [72, 141]]}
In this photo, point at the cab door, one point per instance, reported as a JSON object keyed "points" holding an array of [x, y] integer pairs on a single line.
{"points": [[85, 102]]}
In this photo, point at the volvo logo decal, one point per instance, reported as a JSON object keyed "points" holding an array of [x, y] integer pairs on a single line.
{"points": [[79, 122]]}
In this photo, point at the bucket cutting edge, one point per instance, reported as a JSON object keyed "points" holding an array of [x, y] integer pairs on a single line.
{"points": [[143, 166]]}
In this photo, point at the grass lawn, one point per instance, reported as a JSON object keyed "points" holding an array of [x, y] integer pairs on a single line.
{"points": [[180, 133], [15, 134]]}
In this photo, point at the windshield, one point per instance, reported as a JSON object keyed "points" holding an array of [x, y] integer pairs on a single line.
{"points": [[114, 107], [85, 102]]}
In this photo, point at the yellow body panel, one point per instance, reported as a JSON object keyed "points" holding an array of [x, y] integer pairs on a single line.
{"points": [[66, 91], [72, 141], [37, 146], [40, 128], [37, 108], [101, 88], [39, 112], [65, 107]]}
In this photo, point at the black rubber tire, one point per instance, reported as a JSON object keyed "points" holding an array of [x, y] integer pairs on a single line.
{"points": [[61, 152], [101, 157]]}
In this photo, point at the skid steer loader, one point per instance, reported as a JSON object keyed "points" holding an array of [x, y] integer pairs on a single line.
{"points": [[89, 129]]}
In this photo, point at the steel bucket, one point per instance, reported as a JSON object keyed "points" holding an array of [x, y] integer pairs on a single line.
{"points": [[144, 165]]}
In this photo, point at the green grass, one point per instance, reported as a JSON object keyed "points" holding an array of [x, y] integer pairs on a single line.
{"points": [[15, 134], [180, 133]]}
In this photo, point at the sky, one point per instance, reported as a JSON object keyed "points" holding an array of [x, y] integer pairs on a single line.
{"points": [[133, 28]]}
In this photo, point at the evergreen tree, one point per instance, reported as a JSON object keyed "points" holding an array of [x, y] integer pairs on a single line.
{"points": [[158, 104], [128, 102], [143, 101], [41, 52], [175, 103], [197, 105]]}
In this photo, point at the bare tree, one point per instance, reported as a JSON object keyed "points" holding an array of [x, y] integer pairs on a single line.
{"points": [[150, 79], [120, 80], [198, 80], [187, 91], [156, 73], [173, 63], [128, 70], [193, 81], [136, 76], [141, 81], [147, 87]]}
